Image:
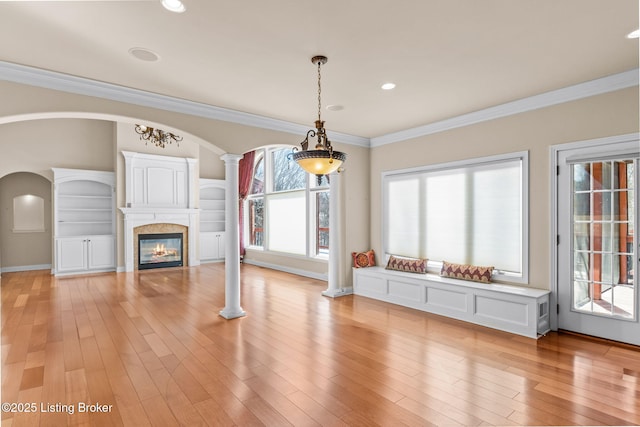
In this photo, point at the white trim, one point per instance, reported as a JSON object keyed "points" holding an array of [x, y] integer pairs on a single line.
{"points": [[83, 86], [554, 153], [553, 237], [25, 268], [296, 271], [570, 93], [477, 161]]}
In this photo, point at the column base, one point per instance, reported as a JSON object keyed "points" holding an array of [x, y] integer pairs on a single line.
{"points": [[232, 314], [340, 292]]}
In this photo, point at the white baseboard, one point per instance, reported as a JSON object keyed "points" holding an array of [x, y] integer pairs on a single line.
{"points": [[304, 273], [25, 268]]}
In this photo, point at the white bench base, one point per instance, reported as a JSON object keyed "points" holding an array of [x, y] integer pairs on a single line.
{"points": [[519, 310]]}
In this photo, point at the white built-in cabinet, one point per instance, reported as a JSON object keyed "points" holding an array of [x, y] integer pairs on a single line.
{"points": [[212, 219], [84, 221]]}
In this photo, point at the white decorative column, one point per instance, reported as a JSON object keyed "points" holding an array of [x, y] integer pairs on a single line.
{"points": [[232, 307], [335, 245]]}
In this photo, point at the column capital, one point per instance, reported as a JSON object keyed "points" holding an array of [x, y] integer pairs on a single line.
{"points": [[231, 158]]}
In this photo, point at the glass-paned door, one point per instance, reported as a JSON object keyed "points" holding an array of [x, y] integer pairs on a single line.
{"points": [[598, 246], [603, 231]]}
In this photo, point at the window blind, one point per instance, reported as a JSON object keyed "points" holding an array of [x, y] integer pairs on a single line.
{"points": [[470, 213]]}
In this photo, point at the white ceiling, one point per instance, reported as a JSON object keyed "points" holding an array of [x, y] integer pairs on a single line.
{"points": [[447, 57]]}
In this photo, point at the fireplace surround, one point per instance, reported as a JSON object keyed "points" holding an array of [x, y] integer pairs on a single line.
{"points": [[160, 193]]}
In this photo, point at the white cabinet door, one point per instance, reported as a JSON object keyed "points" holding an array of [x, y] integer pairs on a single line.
{"points": [[77, 254], [71, 254], [101, 252], [220, 240], [208, 246], [211, 246]]}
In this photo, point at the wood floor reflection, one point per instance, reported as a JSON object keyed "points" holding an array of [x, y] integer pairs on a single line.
{"points": [[149, 348]]}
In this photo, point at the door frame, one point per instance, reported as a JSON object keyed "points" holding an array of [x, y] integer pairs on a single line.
{"points": [[605, 144]]}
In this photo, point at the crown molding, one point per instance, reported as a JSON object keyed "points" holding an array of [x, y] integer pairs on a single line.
{"points": [[83, 86], [599, 86]]}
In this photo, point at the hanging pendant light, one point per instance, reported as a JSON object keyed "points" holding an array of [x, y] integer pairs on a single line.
{"points": [[322, 160]]}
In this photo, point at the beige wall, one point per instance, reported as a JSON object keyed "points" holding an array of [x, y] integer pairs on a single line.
{"points": [[211, 166], [614, 113], [38, 145], [24, 249]]}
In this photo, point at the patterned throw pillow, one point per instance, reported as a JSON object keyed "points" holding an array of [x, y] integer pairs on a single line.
{"points": [[409, 265], [363, 259], [466, 272]]}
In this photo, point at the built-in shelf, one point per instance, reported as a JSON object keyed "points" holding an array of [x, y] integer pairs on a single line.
{"points": [[84, 220], [212, 219]]}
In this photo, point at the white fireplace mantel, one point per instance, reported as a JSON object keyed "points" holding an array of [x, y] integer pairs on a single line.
{"points": [[159, 190]]}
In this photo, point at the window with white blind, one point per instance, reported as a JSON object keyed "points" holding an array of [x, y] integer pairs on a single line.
{"points": [[469, 212]]}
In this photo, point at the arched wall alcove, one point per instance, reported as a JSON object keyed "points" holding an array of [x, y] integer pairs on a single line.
{"points": [[22, 249]]}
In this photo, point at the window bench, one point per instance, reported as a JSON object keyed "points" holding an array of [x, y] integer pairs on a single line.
{"points": [[515, 309]]}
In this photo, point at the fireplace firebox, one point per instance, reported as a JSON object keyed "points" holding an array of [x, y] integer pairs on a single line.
{"points": [[159, 250]]}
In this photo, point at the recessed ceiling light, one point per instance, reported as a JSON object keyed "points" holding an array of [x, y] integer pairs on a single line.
{"points": [[634, 34], [144, 54], [388, 86], [335, 107], [174, 6]]}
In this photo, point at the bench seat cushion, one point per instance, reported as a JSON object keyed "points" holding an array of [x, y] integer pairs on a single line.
{"points": [[466, 272]]}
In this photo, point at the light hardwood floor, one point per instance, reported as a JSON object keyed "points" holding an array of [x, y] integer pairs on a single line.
{"points": [[152, 345]]}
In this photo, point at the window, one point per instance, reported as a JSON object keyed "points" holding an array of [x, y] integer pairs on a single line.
{"points": [[322, 222], [287, 209], [286, 173], [472, 212], [256, 221]]}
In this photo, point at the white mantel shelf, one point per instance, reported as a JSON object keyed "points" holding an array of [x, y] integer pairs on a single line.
{"points": [[158, 212]]}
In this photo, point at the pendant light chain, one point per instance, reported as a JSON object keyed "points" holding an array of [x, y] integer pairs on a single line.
{"points": [[319, 91]]}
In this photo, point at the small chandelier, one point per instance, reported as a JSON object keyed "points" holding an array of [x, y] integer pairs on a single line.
{"points": [[323, 160], [157, 137]]}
